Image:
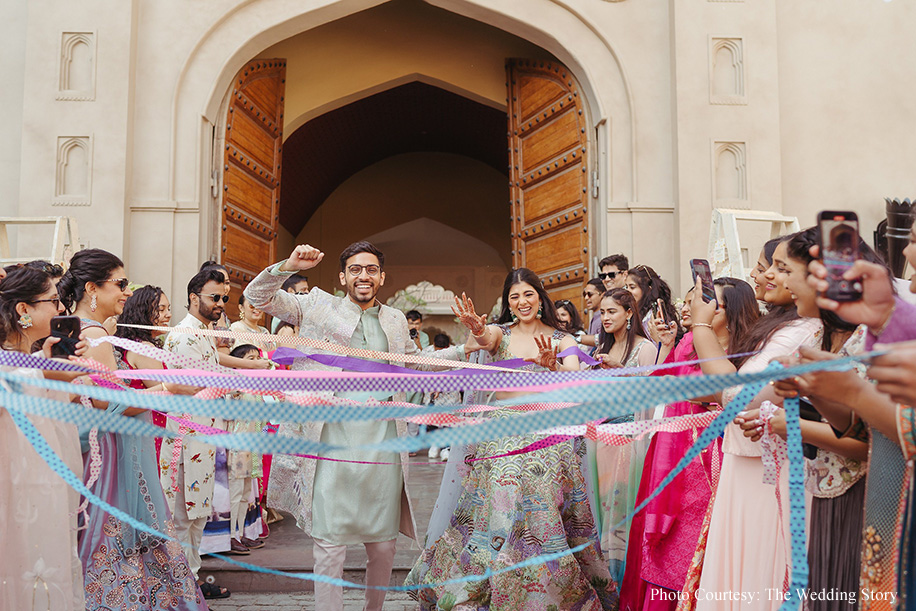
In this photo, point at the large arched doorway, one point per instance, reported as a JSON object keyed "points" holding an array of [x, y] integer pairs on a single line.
{"points": [[411, 124], [403, 166]]}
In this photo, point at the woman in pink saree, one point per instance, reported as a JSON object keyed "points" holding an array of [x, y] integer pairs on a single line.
{"points": [[663, 537]]}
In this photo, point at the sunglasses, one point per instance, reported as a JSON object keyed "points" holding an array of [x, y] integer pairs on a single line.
{"points": [[215, 298], [562, 303], [611, 275], [121, 283]]}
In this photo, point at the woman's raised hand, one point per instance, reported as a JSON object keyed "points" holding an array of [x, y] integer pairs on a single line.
{"points": [[665, 331], [877, 303], [701, 312], [464, 311], [547, 353]]}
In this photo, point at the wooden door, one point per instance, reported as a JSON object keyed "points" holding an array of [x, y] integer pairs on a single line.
{"points": [[251, 172], [548, 176]]}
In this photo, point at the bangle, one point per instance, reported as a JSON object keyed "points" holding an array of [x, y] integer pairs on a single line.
{"points": [[887, 322], [701, 324]]}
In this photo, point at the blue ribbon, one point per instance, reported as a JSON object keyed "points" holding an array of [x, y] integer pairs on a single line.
{"points": [[48, 454], [799, 576], [626, 395], [594, 401]]}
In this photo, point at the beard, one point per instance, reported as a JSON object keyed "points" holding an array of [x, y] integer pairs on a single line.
{"points": [[362, 297], [211, 313]]}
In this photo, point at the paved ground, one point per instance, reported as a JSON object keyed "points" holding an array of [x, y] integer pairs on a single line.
{"points": [[353, 601], [289, 549]]}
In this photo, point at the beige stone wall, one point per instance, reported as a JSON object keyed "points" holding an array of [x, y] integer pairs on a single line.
{"points": [[391, 44], [12, 69], [819, 114], [847, 100], [77, 119]]}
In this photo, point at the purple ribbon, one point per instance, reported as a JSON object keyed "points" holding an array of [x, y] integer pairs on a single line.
{"points": [[286, 356], [12, 358]]}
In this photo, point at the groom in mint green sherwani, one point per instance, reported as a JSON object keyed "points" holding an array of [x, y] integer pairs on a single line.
{"points": [[336, 503]]}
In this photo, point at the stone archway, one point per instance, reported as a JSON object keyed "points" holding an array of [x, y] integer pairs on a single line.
{"points": [[184, 150]]}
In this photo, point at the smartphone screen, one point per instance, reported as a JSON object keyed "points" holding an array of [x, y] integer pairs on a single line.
{"points": [[839, 242], [67, 328], [700, 269]]}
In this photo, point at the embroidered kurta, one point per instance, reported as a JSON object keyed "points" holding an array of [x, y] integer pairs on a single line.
{"points": [[888, 548], [322, 316], [356, 503], [198, 459], [38, 529]]}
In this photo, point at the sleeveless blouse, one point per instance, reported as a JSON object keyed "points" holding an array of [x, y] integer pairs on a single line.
{"points": [[503, 353]]}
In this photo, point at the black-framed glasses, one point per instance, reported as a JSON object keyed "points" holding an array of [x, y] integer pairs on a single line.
{"points": [[586, 294], [611, 275], [356, 270], [52, 300], [215, 298], [121, 283]]}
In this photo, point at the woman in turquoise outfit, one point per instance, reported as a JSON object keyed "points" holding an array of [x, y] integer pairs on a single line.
{"points": [[514, 508], [123, 568]]}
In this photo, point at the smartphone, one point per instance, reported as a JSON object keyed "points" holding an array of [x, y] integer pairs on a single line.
{"points": [[67, 328], [660, 311], [839, 244], [700, 269]]}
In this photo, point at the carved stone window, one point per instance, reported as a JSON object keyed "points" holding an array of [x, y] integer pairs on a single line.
{"points": [[726, 71], [77, 67], [73, 179]]}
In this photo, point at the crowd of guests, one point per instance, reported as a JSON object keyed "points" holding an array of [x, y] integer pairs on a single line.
{"points": [[716, 537]]}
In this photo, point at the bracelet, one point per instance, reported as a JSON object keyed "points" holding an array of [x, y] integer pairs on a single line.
{"points": [[701, 324], [886, 322]]}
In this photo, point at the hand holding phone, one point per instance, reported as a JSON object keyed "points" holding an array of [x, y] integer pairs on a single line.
{"points": [[660, 313], [67, 328], [699, 268], [839, 249]]}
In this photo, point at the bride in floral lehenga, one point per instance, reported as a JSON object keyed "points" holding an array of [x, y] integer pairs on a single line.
{"points": [[511, 509]]}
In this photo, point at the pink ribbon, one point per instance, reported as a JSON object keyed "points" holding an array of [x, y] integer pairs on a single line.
{"points": [[617, 434]]}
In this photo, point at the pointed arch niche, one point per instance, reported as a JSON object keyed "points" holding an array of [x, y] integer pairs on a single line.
{"points": [[729, 180], [73, 176], [726, 71], [77, 67]]}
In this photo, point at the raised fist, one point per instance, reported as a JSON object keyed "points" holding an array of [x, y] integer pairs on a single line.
{"points": [[303, 257]]}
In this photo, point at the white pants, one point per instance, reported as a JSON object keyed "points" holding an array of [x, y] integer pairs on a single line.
{"points": [[329, 561], [187, 531], [239, 492]]}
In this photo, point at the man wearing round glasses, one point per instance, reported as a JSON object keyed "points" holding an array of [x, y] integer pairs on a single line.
{"points": [[339, 503]]}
